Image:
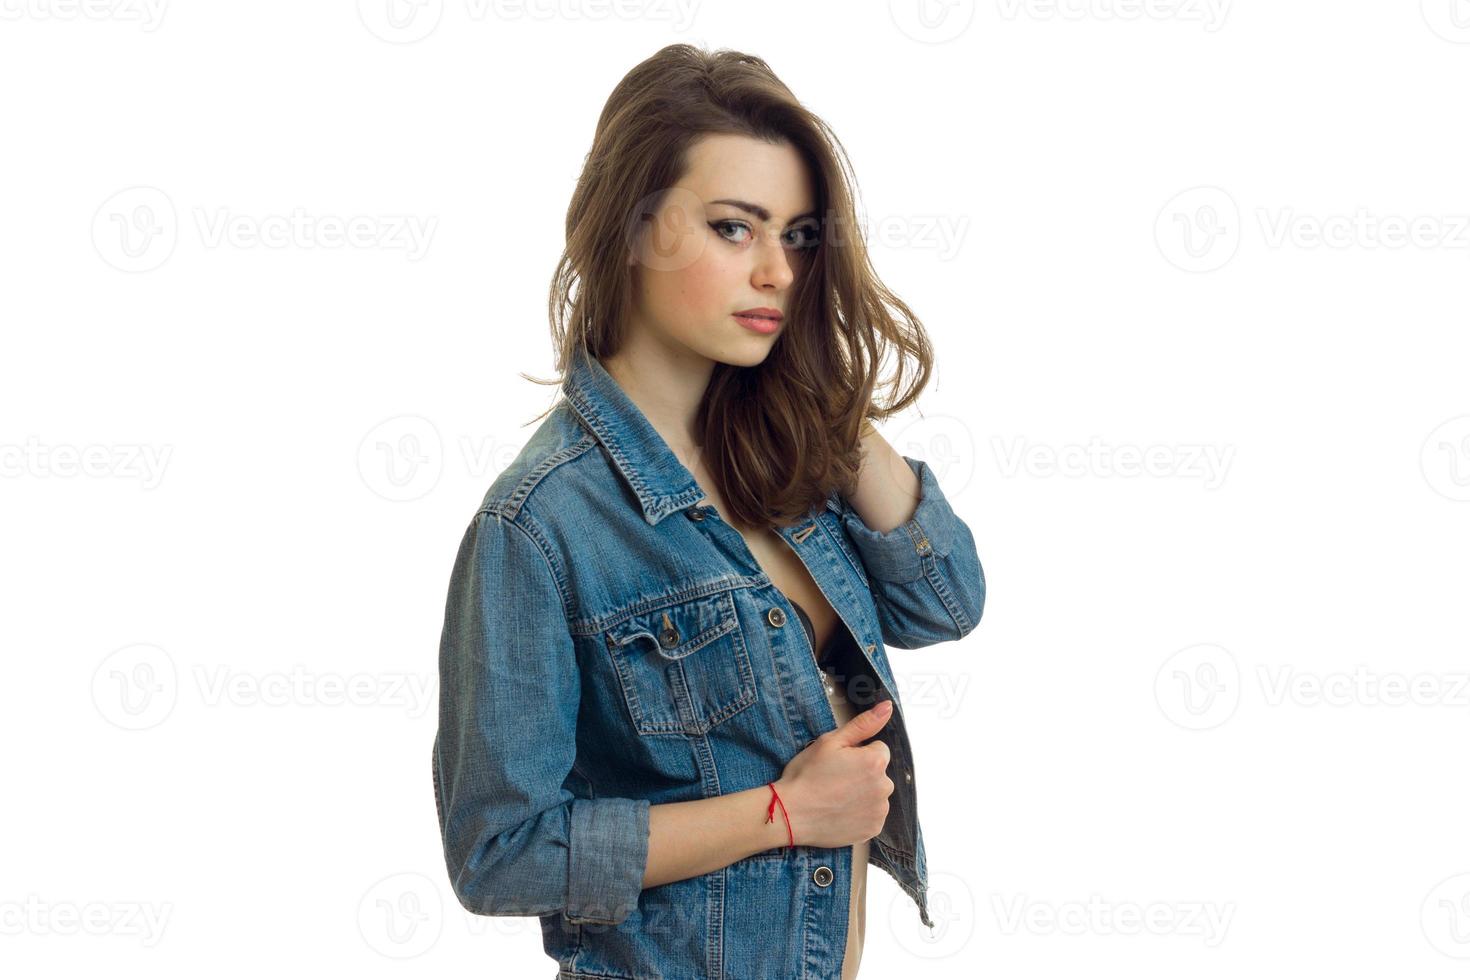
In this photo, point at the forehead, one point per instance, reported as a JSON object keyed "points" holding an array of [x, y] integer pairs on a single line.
{"points": [[726, 165]]}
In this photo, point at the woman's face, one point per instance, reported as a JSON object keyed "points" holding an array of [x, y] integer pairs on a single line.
{"points": [[735, 234]]}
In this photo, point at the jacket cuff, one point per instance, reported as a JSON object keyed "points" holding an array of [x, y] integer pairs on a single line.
{"points": [[898, 555], [607, 856]]}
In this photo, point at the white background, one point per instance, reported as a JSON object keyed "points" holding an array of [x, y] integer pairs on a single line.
{"points": [[1226, 693]]}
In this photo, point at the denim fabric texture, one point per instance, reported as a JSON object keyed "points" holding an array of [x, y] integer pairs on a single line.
{"points": [[608, 646]]}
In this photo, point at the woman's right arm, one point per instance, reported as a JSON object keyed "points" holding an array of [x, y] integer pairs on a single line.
{"points": [[834, 793], [695, 837], [516, 841]]}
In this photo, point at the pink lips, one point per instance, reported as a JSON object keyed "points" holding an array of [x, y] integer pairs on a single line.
{"points": [[762, 319]]}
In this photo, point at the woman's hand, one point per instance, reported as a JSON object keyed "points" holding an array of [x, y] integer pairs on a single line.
{"points": [[835, 790]]}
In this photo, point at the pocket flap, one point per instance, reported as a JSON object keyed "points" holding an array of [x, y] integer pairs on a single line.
{"points": [[677, 630]]}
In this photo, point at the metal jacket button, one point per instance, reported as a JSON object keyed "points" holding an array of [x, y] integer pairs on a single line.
{"points": [[822, 876], [776, 616], [697, 514], [668, 636]]}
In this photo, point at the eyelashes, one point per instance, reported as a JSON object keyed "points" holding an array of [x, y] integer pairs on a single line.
{"points": [[805, 243]]}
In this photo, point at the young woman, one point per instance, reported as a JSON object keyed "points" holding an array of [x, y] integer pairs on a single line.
{"points": [[668, 725]]}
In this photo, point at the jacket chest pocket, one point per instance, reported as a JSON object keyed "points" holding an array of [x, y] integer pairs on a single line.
{"points": [[683, 667]]}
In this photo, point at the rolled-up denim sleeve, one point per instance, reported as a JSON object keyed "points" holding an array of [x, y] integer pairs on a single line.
{"points": [[516, 841], [925, 575]]}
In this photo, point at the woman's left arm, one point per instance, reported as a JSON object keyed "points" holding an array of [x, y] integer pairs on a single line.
{"points": [[923, 568]]}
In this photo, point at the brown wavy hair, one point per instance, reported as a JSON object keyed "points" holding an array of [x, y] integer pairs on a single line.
{"points": [[781, 435]]}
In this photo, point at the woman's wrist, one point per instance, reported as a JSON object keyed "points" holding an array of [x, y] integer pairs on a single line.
{"points": [[783, 828]]}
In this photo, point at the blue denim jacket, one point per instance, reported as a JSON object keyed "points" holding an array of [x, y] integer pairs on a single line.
{"points": [[608, 646]]}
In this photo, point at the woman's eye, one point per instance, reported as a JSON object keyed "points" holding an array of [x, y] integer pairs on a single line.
{"points": [[719, 225], [802, 238], [807, 236]]}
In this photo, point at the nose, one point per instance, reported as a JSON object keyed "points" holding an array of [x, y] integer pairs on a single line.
{"points": [[773, 264]]}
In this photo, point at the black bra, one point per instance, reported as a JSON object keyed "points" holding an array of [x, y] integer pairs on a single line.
{"points": [[827, 659]]}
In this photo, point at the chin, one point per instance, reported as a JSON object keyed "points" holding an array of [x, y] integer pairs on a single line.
{"points": [[748, 354]]}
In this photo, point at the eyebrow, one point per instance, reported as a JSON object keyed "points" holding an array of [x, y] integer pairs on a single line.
{"points": [[759, 211]]}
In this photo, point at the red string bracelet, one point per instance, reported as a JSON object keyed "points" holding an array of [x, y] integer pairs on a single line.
{"points": [[771, 813]]}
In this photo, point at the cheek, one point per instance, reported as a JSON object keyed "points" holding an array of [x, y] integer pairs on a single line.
{"points": [[702, 290]]}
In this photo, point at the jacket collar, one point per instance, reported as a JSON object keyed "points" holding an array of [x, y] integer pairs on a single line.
{"points": [[661, 483]]}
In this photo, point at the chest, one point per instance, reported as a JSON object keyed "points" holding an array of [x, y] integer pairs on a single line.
{"points": [[784, 569]]}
